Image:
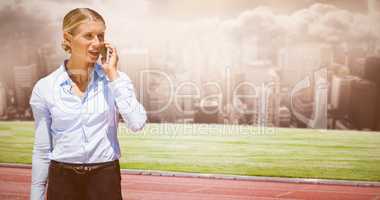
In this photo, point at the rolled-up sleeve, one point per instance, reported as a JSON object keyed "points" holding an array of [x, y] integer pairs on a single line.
{"points": [[128, 106], [42, 144]]}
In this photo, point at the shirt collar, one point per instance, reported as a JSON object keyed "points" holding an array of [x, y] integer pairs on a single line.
{"points": [[64, 79], [99, 71]]}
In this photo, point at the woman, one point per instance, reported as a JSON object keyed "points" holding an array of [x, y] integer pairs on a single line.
{"points": [[76, 108]]}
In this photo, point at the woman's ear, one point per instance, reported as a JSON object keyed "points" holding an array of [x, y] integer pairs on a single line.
{"points": [[67, 37]]}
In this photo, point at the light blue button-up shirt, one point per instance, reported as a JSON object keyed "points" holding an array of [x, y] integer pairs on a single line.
{"points": [[74, 129]]}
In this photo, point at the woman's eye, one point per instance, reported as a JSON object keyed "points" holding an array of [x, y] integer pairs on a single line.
{"points": [[88, 36]]}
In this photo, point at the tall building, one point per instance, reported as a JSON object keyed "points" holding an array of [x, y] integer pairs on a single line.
{"points": [[256, 89], [372, 69], [284, 117], [319, 119], [371, 72], [207, 112], [24, 79], [303, 105], [367, 69], [3, 99], [363, 104], [309, 100], [341, 93]]}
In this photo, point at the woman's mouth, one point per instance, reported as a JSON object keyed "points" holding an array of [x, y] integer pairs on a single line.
{"points": [[94, 53]]}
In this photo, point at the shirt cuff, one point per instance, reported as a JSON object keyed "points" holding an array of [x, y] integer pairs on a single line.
{"points": [[118, 77], [117, 84]]}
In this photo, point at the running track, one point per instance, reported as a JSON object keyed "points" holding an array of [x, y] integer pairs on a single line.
{"points": [[15, 184]]}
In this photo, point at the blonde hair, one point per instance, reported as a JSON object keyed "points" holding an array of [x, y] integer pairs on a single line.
{"points": [[76, 17]]}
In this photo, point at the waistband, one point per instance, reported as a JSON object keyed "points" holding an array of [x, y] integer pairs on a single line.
{"points": [[85, 167]]}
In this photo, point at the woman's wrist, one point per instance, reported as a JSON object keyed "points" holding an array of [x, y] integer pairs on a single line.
{"points": [[112, 75]]}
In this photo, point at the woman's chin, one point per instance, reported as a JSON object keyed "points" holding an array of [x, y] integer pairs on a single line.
{"points": [[92, 60]]}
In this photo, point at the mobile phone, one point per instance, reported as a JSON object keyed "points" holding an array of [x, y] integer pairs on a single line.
{"points": [[105, 52]]}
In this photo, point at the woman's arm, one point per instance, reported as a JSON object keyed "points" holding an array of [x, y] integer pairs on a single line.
{"points": [[121, 87], [130, 109], [42, 144]]}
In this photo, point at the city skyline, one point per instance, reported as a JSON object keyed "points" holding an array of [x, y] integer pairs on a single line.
{"points": [[251, 45]]}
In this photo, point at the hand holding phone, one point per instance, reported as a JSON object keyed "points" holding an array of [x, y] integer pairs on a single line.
{"points": [[109, 60], [105, 53]]}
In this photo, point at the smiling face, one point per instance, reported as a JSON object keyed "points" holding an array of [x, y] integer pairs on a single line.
{"points": [[86, 41]]}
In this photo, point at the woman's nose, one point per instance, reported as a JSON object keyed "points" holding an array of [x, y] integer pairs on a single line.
{"points": [[97, 41]]}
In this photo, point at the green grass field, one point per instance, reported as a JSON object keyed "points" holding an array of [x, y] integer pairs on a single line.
{"points": [[222, 149]]}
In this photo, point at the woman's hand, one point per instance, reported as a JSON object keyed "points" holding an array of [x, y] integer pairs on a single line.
{"points": [[110, 67]]}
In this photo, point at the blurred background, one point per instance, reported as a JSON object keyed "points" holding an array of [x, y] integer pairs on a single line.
{"points": [[300, 63]]}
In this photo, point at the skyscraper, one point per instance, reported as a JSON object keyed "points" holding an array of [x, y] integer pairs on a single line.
{"points": [[371, 72], [372, 69], [340, 93], [24, 79], [363, 104], [3, 99]]}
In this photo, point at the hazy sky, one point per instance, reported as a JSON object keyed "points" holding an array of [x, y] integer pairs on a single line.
{"points": [[200, 29], [141, 19], [225, 8], [188, 9]]}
